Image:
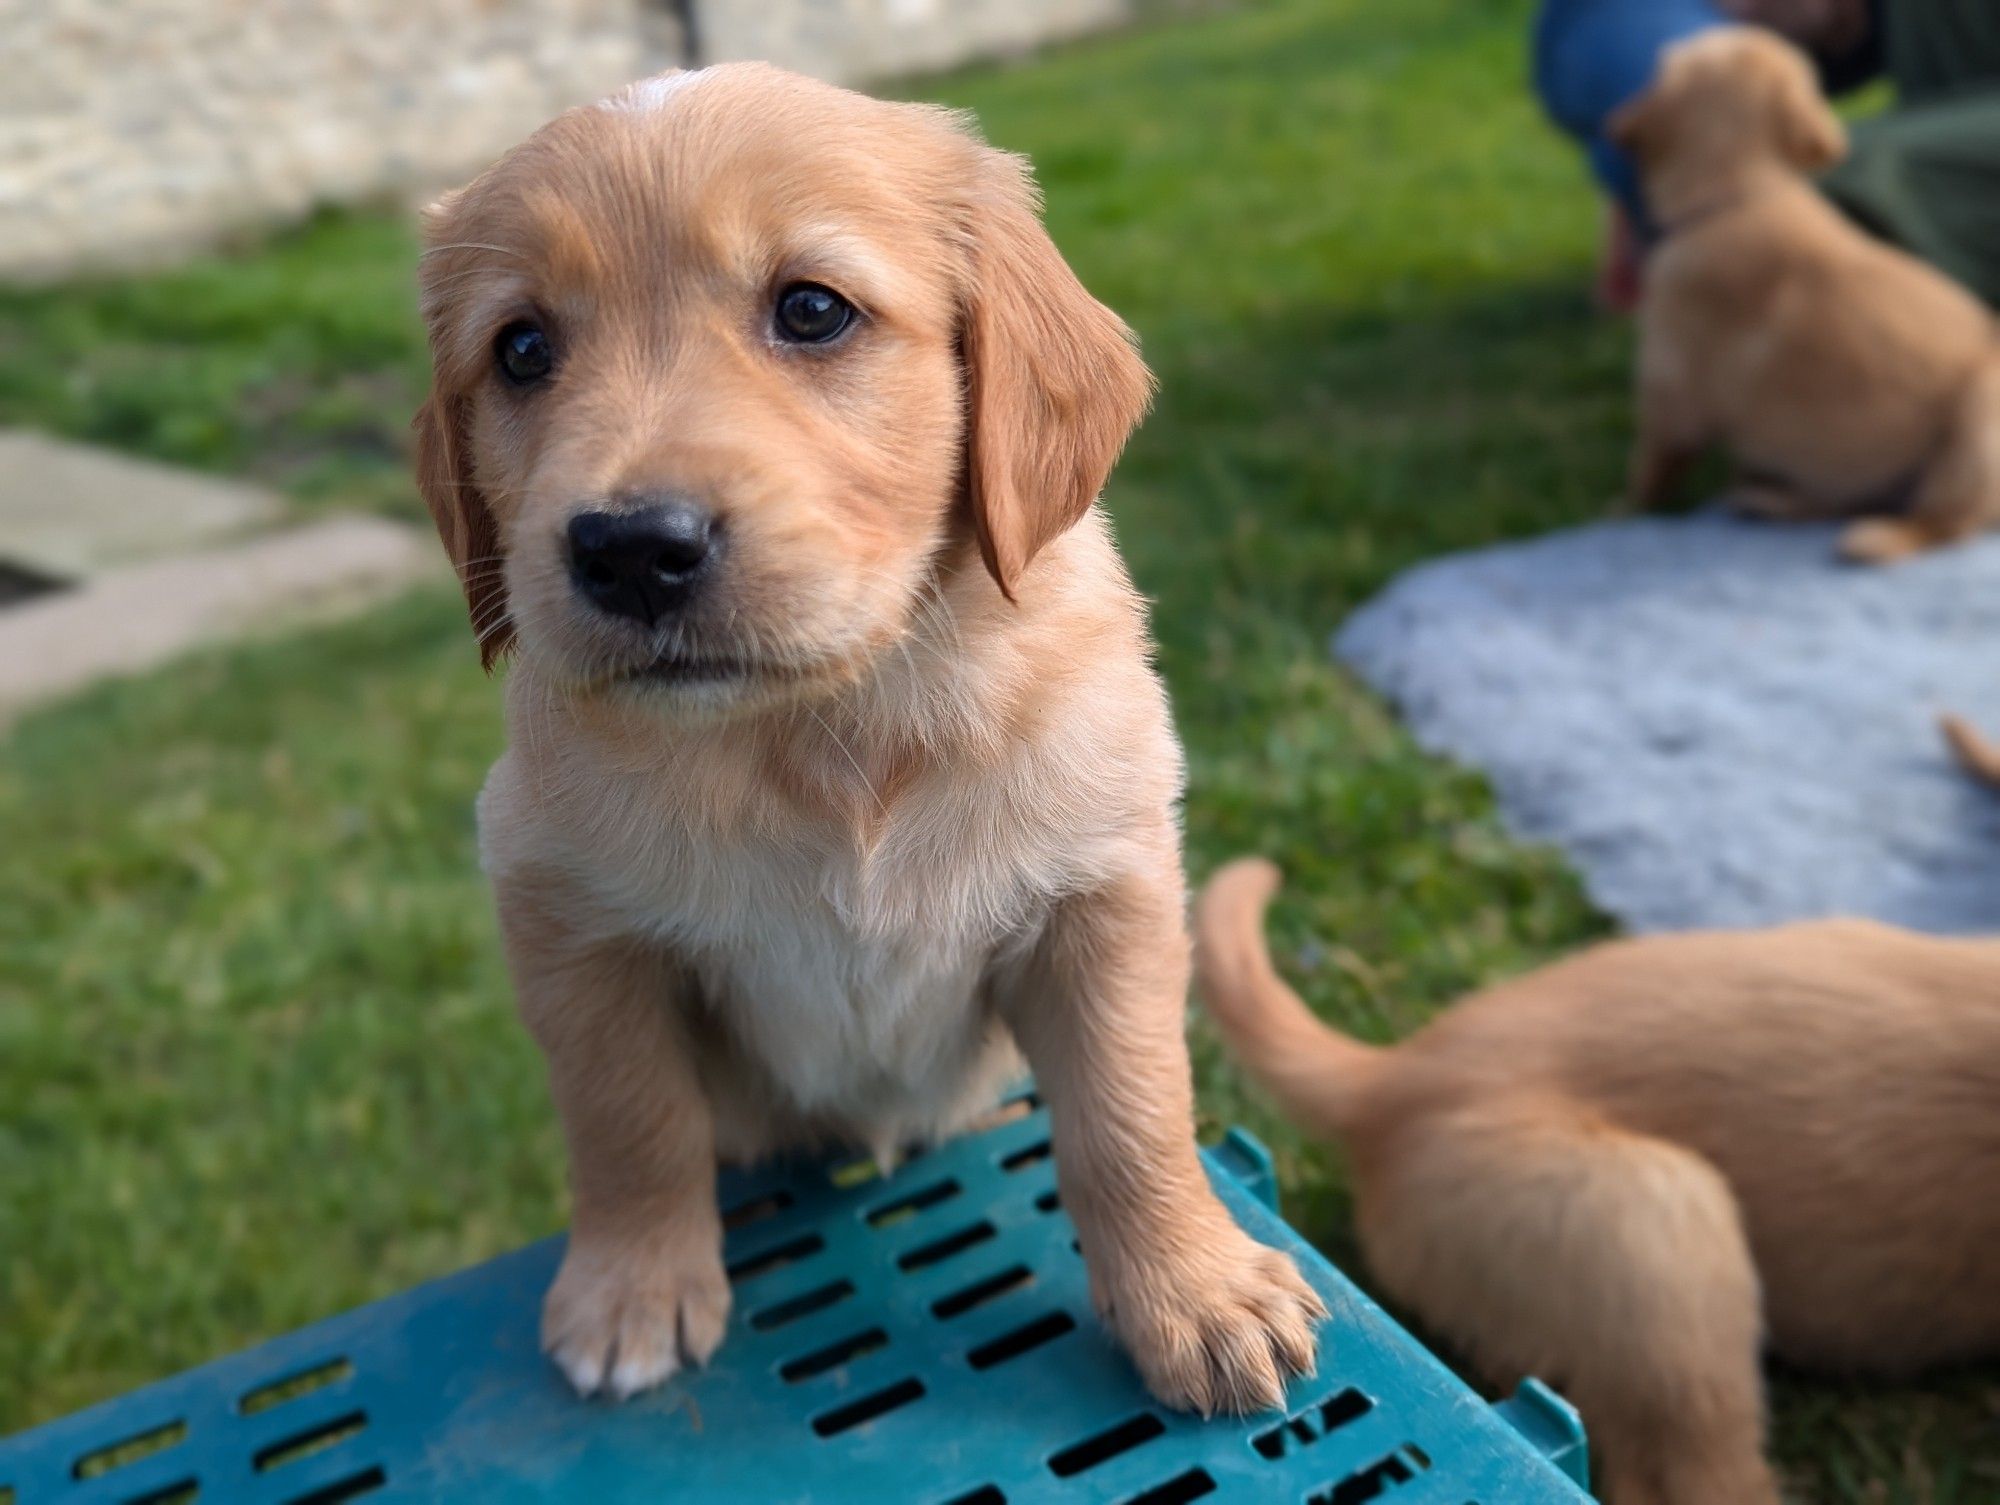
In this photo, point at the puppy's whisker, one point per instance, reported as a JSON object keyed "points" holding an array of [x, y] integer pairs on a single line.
{"points": [[484, 635], [470, 245], [867, 783]]}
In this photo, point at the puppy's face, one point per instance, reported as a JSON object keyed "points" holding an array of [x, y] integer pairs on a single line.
{"points": [[1729, 95], [727, 367]]}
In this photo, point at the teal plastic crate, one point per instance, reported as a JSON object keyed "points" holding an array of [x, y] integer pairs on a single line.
{"points": [[926, 1337]]}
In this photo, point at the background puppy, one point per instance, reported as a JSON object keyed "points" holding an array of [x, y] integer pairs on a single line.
{"points": [[1626, 1171], [765, 425], [1843, 375]]}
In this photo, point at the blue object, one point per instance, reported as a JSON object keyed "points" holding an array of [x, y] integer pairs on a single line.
{"points": [[923, 1338], [1591, 56]]}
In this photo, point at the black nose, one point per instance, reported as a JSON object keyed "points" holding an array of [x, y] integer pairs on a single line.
{"points": [[640, 562]]}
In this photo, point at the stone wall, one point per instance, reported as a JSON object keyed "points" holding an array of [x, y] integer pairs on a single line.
{"points": [[134, 130], [852, 40]]}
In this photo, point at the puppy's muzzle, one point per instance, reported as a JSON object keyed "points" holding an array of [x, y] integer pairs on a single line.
{"points": [[644, 561]]}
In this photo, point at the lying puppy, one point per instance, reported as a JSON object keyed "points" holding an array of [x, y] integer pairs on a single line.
{"points": [[1628, 1171], [765, 426], [1843, 375]]}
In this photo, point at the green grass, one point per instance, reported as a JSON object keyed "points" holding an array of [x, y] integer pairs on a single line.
{"points": [[255, 1047], [296, 363]]}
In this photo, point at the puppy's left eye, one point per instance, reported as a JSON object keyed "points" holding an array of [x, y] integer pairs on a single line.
{"points": [[809, 314], [523, 353]]}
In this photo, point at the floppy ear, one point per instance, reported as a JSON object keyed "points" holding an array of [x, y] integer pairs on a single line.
{"points": [[463, 522], [1809, 134], [1630, 122], [1054, 384]]}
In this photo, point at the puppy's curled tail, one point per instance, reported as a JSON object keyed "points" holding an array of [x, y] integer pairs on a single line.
{"points": [[1975, 754], [1316, 1073]]}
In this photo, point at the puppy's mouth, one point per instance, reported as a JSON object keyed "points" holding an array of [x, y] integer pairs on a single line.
{"points": [[678, 667], [689, 669]]}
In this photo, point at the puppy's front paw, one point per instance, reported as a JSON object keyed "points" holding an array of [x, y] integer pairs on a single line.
{"points": [[1221, 1327], [622, 1320], [1880, 540]]}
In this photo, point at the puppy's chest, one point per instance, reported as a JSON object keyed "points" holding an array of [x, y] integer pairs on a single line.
{"points": [[848, 961]]}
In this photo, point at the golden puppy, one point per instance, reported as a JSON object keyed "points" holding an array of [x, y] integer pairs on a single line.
{"points": [[1630, 1170], [1843, 375], [766, 426]]}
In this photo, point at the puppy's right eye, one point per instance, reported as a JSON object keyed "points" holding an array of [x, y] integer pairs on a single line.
{"points": [[523, 353], [809, 314]]}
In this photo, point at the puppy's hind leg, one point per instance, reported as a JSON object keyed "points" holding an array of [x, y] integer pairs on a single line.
{"points": [[1769, 498], [1544, 1241], [1959, 491], [1657, 467], [1671, 435]]}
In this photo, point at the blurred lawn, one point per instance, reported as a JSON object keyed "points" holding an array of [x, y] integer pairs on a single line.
{"points": [[256, 1055]]}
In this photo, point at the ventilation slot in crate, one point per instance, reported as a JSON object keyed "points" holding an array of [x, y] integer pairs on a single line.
{"points": [[1027, 1155], [818, 1299], [291, 1386], [1377, 1479], [1113, 1442], [1313, 1423], [180, 1492], [1011, 1111], [852, 1173], [1023, 1339], [820, 1361], [991, 1288], [902, 1209], [756, 1210], [937, 1251], [129, 1450], [351, 1488], [880, 1403], [750, 1266], [313, 1440]]}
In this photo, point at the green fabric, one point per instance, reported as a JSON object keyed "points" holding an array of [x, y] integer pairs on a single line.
{"points": [[1926, 175], [1937, 47], [1928, 179]]}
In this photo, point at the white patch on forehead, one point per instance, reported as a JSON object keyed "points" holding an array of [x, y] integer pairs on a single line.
{"points": [[650, 95]]}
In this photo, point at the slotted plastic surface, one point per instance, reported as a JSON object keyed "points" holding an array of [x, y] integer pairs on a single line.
{"points": [[923, 1338]]}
